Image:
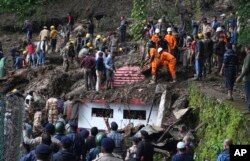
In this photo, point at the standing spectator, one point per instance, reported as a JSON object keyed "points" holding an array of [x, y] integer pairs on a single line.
{"points": [[120, 146], [94, 152], [42, 48], [107, 148], [88, 63], [220, 48], [199, 56], [14, 52], [113, 46], [110, 69], [67, 108], [90, 141], [91, 28], [28, 28], [245, 74], [78, 145], [229, 66], [100, 69], [145, 149], [131, 152], [233, 37], [215, 24], [162, 26], [53, 36], [123, 28], [208, 54], [66, 153], [225, 156], [71, 22], [181, 153], [31, 53], [44, 33]]}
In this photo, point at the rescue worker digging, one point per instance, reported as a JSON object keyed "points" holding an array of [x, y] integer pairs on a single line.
{"points": [[154, 61], [169, 61]]}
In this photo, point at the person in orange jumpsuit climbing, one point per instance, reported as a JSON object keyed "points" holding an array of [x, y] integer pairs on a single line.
{"points": [[156, 38], [171, 39], [169, 60], [154, 60]]}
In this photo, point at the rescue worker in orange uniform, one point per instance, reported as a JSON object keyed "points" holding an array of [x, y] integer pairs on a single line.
{"points": [[171, 39], [154, 60], [156, 38], [169, 61]]}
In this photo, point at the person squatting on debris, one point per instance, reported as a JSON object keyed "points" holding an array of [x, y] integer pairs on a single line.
{"points": [[169, 61]]}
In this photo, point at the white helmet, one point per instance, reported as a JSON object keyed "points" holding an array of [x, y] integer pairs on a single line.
{"points": [[159, 50], [218, 29], [157, 31], [160, 20], [181, 145], [169, 29]]}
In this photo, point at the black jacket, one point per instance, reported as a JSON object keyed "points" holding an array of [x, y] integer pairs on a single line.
{"points": [[64, 155], [145, 150]]}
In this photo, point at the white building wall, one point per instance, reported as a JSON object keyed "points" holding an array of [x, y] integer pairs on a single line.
{"points": [[85, 120]]}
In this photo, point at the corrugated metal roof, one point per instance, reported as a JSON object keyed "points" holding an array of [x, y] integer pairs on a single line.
{"points": [[127, 75]]}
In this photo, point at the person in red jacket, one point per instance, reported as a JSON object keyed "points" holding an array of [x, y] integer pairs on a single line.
{"points": [[31, 53]]}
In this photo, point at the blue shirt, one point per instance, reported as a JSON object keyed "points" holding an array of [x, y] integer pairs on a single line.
{"points": [[109, 64], [224, 156]]}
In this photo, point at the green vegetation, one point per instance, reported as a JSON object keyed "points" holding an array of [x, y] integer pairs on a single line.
{"points": [[23, 8], [244, 13], [139, 14], [221, 120]]}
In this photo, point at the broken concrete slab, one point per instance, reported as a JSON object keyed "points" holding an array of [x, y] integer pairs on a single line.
{"points": [[180, 113]]}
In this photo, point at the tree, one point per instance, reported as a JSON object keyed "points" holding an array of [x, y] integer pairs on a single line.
{"points": [[244, 16], [139, 14]]}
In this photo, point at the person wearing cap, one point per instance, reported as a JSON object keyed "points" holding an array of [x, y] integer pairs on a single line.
{"points": [[131, 152], [98, 42], [100, 70], [65, 154], [245, 75], [181, 153], [120, 146], [169, 61], [94, 152], [88, 64], [53, 36], [44, 33], [225, 155], [79, 146], [220, 33], [171, 40], [60, 130], [86, 40], [229, 68], [156, 38], [107, 147], [145, 150], [49, 129], [43, 152], [199, 56]]}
